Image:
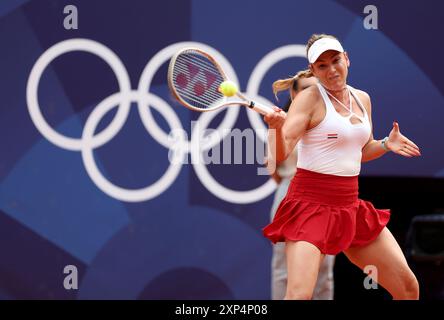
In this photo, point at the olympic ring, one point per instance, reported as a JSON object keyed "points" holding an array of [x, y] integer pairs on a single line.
{"points": [[179, 146], [239, 197], [119, 193], [34, 79]]}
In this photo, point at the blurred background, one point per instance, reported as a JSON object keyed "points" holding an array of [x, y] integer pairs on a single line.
{"points": [[85, 183]]}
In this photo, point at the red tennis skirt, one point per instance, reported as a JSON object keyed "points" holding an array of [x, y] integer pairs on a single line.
{"points": [[325, 210]]}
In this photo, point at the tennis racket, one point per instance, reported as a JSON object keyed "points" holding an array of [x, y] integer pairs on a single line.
{"points": [[194, 78]]}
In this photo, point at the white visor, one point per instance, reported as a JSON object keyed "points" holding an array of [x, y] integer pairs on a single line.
{"points": [[322, 45]]}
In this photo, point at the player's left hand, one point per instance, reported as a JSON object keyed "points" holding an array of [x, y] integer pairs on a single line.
{"points": [[399, 144]]}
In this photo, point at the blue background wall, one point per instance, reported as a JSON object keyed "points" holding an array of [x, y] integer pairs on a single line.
{"points": [[187, 241]]}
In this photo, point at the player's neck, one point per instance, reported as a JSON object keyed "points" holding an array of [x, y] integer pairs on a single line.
{"points": [[340, 94]]}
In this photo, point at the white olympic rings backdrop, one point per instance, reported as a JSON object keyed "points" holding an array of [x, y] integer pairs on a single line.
{"points": [[123, 99]]}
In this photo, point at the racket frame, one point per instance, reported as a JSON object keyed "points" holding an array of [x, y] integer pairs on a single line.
{"points": [[262, 109]]}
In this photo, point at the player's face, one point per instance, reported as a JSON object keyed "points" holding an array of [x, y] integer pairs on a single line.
{"points": [[331, 69]]}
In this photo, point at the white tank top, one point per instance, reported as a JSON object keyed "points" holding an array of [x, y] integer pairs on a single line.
{"points": [[335, 145]]}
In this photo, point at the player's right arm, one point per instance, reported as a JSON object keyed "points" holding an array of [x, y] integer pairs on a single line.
{"points": [[286, 134]]}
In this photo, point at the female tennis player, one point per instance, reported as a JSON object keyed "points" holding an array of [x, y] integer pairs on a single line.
{"points": [[321, 212], [283, 174]]}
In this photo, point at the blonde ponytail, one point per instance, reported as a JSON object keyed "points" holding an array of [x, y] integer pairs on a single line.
{"points": [[285, 84]]}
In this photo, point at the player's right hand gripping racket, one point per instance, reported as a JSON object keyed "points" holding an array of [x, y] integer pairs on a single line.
{"points": [[194, 78]]}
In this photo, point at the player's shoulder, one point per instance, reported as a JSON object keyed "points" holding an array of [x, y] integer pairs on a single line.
{"points": [[364, 96], [311, 91], [309, 95]]}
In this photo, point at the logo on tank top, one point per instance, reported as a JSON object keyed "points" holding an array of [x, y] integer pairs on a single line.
{"points": [[332, 136]]}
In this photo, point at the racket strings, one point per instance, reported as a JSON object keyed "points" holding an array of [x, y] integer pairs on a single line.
{"points": [[196, 101], [196, 79], [195, 95], [202, 64], [200, 78]]}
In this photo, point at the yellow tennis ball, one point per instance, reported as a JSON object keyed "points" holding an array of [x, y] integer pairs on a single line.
{"points": [[228, 88]]}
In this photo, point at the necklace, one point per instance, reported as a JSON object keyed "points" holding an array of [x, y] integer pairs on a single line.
{"points": [[349, 108]]}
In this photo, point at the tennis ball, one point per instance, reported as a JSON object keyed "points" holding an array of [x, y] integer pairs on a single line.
{"points": [[228, 88]]}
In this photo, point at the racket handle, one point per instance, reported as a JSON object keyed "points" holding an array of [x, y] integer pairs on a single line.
{"points": [[260, 108]]}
